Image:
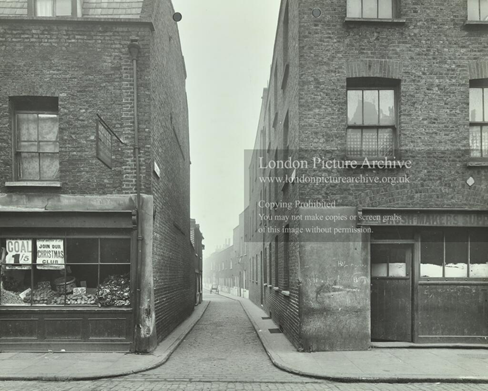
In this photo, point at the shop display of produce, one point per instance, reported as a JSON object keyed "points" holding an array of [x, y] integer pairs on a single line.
{"points": [[8, 297], [41, 295], [89, 299], [114, 291]]}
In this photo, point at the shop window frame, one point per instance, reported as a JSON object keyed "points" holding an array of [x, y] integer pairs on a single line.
{"points": [[63, 307], [468, 278]]}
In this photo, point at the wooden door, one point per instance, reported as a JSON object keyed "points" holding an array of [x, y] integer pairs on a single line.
{"points": [[391, 292]]}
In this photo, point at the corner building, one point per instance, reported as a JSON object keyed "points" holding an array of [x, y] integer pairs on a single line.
{"points": [[94, 176], [398, 253]]}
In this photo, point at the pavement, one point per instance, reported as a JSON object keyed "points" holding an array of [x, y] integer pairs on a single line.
{"points": [[61, 366], [226, 339], [377, 365]]}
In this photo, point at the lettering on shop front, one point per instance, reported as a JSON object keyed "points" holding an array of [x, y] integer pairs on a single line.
{"points": [[50, 254], [426, 219]]}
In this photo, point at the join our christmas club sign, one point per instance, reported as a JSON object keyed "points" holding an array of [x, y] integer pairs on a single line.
{"points": [[50, 254]]}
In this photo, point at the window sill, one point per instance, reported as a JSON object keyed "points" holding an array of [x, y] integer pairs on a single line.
{"points": [[477, 23], [285, 293], [33, 184], [375, 20], [270, 286], [265, 284], [477, 163], [276, 288]]}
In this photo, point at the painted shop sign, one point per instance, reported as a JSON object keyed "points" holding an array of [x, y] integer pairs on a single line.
{"points": [[50, 254], [423, 219], [19, 253]]}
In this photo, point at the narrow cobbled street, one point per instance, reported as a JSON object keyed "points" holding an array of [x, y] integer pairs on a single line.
{"points": [[222, 352]]}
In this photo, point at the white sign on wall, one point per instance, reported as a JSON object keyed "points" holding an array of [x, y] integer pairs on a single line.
{"points": [[50, 254], [19, 253]]}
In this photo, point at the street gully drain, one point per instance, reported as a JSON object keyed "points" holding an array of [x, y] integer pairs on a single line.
{"points": [[275, 331], [265, 317]]}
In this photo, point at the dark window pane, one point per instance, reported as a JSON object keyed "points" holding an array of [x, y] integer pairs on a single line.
{"points": [[27, 146], [49, 166], [456, 253], [82, 250], [29, 166], [63, 7], [484, 10], [400, 257], [478, 254], [354, 107], [115, 250], [44, 7], [370, 142], [48, 127], [354, 8], [431, 254], [371, 107], [387, 107], [354, 142], [473, 10], [475, 141], [385, 142], [379, 260], [27, 127], [476, 104], [47, 146], [370, 8], [385, 9]]}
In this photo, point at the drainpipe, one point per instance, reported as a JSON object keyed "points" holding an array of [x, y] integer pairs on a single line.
{"points": [[134, 49]]}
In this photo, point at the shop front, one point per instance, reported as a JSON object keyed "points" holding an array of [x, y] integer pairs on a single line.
{"points": [[429, 275], [68, 278]]}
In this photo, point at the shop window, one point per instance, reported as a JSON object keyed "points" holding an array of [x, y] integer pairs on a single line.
{"points": [[371, 9], [390, 260], [478, 118], [66, 272], [36, 126], [454, 253], [53, 8], [371, 122], [478, 10]]}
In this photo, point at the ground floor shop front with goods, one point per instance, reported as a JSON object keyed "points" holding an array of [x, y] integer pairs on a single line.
{"points": [[69, 275]]}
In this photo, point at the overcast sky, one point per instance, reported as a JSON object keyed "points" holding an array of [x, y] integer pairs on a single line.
{"points": [[228, 47]]}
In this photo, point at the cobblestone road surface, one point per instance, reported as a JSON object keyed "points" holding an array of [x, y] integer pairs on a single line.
{"points": [[222, 353]]}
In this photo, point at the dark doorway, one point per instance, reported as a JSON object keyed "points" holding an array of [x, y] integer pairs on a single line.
{"points": [[391, 292]]}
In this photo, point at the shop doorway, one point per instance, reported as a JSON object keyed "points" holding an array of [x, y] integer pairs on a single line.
{"points": [[391, 292]]}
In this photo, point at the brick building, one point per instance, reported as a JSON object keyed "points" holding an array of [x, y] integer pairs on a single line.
{"points": [[393, 248], [95, 170]]}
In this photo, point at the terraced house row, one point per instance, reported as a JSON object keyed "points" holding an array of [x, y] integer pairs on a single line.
{"points": [[387, 241]]}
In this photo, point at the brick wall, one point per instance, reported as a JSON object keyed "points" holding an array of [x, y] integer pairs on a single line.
{"points": [[434, 56], [174, 272], [88, 68]]}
